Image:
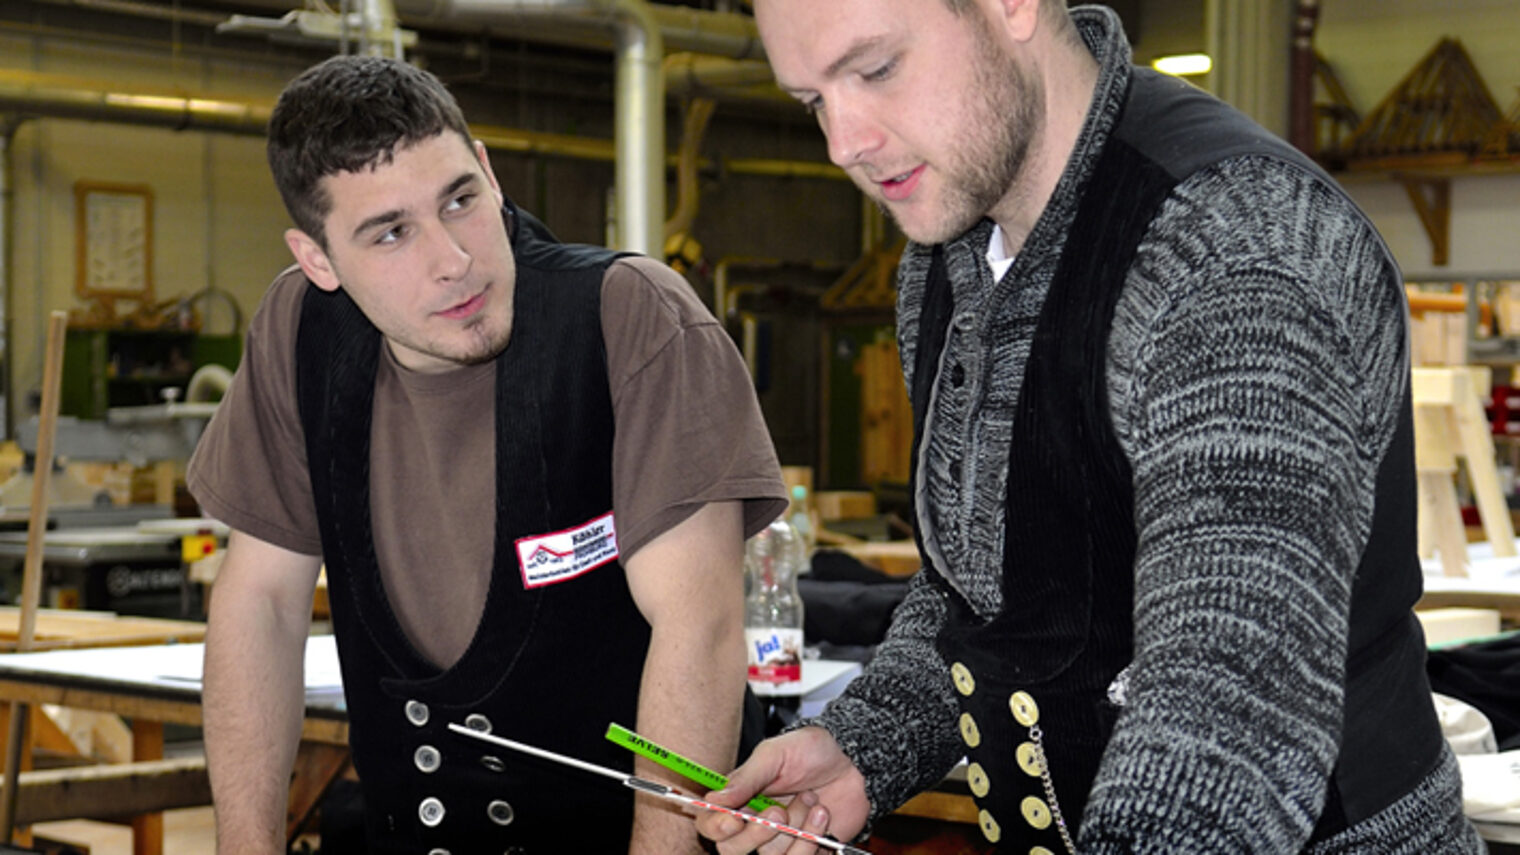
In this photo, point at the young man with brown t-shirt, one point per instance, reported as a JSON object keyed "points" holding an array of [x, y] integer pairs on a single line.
{"points": [[527, 466]]}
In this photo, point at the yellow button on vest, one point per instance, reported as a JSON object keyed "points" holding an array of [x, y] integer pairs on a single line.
{"points": [[1040, 850], [990, 828], [977, 780], [1025, 710], [1029, 759], [969, 731], [964, 682], [1035, 813]]}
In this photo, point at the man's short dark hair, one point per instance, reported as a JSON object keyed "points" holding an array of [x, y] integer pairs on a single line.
{"points": [[346, 114]]}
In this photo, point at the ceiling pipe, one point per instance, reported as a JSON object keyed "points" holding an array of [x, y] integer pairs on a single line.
{"points": [[642, 31], [640, 132], [29, 95], [588, 23], [688, 193]]}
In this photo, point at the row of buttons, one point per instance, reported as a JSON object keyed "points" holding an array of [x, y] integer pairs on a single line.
{"points": [[1027, 713], [428, 759], [431, 812], [418, 714]]}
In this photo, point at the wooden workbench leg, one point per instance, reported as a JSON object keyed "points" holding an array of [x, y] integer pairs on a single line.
{"points": [[317, 766], [21, 835], [148, 828]]}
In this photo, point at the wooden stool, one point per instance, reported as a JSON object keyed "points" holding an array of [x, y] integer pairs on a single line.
{"points": [[1448, 424]]}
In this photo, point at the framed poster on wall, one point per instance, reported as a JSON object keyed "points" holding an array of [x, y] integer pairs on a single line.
{"points": [[113, 229]]}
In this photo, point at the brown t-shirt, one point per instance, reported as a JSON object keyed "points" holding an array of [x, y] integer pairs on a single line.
{"points": [[688, 432]]}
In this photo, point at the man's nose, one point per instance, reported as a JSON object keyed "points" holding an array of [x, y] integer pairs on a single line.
{"points": [[447, 257], [852, 132]]}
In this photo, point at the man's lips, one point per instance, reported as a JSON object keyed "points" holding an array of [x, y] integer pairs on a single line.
{"points": [[900, 187], [465, 309]]}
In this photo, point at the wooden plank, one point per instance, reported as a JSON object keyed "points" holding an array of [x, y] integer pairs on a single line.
{"points": [[63, 629], [106, 791]]}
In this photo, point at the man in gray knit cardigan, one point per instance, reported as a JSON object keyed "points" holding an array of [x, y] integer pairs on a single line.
{"points": [[1163, 466]]}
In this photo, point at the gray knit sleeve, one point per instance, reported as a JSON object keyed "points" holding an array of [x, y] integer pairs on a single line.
{"points": [[1257, 361], [896, 722]]}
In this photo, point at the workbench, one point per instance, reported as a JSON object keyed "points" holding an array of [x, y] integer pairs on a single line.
{"points": [[153, 686]]}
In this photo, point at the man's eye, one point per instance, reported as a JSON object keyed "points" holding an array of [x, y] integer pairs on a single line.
{"points": [[390, 235], [460, 202], [813, 105], [881, 73]]}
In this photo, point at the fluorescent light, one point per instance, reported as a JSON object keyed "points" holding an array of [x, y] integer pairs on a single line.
{"points": [[1184, 64]]}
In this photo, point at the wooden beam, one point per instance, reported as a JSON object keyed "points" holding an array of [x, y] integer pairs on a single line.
{"points": [[1434, 212], [101, 792]]}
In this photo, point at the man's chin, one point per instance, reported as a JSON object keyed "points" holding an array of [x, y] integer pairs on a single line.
{"points": [[929, 233]]}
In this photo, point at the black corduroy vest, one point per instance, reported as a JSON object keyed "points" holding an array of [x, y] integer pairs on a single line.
{"points": [[549, 665], [1033, 682]]}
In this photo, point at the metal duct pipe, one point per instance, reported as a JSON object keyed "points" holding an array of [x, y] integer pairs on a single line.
{"points": [[29, 94], [642, 30], [640, 132], [698, 112], [587, 23]]}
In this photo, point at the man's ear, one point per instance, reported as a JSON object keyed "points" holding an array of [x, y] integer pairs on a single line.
{"points": [[485, 163], [313, 259], [1019, 17]]}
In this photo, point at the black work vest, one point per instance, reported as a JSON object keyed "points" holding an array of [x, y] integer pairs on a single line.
{"points": [[549, 665], [1035, 679]]}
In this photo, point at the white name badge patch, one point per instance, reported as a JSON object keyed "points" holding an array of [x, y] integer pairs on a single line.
{"points": [[563, 555]]}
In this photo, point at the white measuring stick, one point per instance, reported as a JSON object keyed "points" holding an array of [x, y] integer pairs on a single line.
{"points": [[659, 790]]}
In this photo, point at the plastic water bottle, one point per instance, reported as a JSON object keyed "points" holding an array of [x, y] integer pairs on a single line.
{"points": [[773, 608], [802, 522]]}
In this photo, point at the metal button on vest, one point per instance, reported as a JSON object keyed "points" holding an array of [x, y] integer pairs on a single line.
{"points": [[990, 828], [438, 852], [430, 812], [1036, 813], [969, 731], [964, 682], [1040, 850], [1028, 758], [478, 722], [1025, 710], [500, 812], [417, 713], [495, 764], [977, 780], [427, 758]]}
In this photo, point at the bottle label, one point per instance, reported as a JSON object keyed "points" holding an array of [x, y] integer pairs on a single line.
{"points": [[775, 655]]}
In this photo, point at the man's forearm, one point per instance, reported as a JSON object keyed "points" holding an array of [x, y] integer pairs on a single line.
{"points": [[253, 708], [691, 700]]}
